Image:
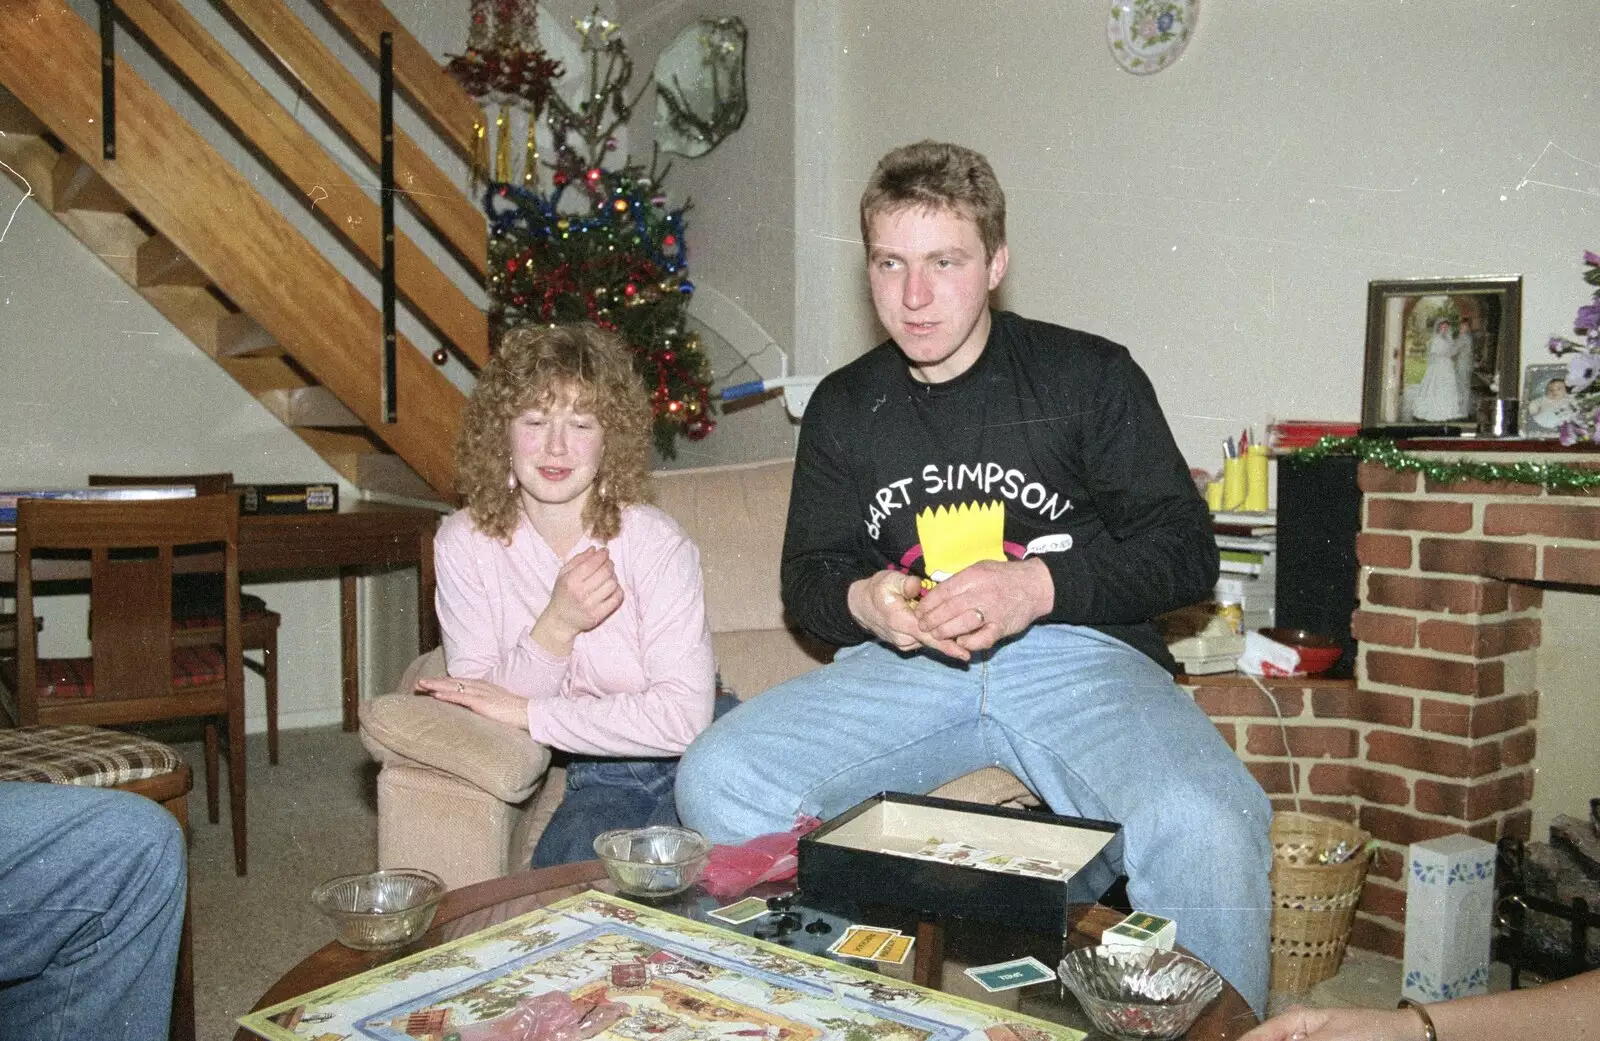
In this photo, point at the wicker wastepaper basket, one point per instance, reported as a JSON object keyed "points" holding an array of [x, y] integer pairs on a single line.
{"points": [[1313, 905]]}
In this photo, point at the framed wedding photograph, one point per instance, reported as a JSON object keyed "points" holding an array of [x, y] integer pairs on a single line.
{"points": [[1545, 401], [1438, 347]]}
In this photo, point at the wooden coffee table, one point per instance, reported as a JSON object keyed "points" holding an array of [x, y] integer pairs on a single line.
{"points": [[941, 953]]}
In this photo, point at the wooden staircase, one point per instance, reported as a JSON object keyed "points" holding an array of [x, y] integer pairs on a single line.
{"points": [[187, 232]]}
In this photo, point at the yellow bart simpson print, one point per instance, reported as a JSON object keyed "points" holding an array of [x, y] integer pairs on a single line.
{"points": [[956, 537]]}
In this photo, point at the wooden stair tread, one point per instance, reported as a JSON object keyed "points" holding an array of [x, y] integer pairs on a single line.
{"points": [[313, 406], [238, 333], [78, 186], [159, 262]]}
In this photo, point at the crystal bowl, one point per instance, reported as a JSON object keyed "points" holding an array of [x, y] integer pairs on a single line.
{"points": [[1140, 992], [657, 861], [380, 909]]}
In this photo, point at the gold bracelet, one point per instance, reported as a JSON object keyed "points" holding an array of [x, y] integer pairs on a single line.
{"points": [[1428, 1033]]}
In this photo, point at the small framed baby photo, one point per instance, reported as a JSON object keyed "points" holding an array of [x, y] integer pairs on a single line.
{"points": [[1546, 403]]}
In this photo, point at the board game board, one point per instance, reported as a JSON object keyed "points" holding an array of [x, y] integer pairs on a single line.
{"points": [[596, 966]]}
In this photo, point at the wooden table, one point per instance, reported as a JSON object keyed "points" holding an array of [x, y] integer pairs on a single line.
{"points": [[361, 534], [471, 908]]}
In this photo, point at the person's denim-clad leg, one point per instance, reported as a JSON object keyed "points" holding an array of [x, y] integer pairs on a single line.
{"points": [[1092, 726], [603, 794], [874, 720], [92, 886], [1096, 729]]}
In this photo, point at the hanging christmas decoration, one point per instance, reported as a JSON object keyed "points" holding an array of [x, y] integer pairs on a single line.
{"points": [[602, 244], [1449, 471], [505, 66]]}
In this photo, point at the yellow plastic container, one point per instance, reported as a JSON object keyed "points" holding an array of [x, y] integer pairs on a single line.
{"points": [[1256, 478]]}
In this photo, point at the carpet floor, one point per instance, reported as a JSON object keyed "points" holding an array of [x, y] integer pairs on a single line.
{"points": [[312, 816]]}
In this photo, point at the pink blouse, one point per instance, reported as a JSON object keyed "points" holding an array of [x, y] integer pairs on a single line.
{"points": [[638, 685]]}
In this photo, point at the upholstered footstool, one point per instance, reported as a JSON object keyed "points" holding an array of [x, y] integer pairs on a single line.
{"points": [[99, 758]]}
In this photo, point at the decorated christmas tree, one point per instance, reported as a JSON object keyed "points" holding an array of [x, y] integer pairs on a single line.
{"points": [[600, 243]]}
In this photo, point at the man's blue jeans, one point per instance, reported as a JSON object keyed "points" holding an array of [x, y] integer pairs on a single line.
{"points": [[1091, 725], [92, 886]]}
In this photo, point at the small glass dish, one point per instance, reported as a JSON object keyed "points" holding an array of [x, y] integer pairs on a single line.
{"points": [[654, 862], [380, 909], [1140, 992]]}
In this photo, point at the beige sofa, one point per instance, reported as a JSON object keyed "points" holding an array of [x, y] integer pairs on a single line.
{"points": [[467, 798]]}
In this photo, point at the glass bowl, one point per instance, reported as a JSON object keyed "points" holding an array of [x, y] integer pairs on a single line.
{"points": [[380, 909], [1140, 992], [658, 861]]}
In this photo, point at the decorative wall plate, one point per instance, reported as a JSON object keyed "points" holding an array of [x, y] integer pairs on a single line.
{"points": [[1148, 35]]}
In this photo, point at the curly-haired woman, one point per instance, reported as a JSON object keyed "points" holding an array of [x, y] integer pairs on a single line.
{"points": [[570, 607]]}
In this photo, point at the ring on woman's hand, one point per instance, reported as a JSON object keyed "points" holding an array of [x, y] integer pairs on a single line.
{"points": [[461, 688], [981, 619]]}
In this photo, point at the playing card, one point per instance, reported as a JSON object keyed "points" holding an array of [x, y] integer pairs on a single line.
{"points": [[741, 911], [1019, 972], [861, 941], [894, 949]]}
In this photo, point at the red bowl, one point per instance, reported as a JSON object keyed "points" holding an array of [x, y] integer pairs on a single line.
{"points": [[1317, 653]]}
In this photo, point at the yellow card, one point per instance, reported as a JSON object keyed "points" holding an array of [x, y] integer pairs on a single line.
{"points": [[861, 941], [894, 949]]}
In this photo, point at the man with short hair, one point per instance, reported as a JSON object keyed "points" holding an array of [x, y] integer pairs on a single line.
{"points": [[987, 513]]}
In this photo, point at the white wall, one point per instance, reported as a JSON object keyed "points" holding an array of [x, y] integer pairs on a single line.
{"points": [[1568, 762], [1223, 218]]}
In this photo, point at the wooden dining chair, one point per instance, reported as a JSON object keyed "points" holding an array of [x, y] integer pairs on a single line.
{"points": [[138, 672], [197, 600]]}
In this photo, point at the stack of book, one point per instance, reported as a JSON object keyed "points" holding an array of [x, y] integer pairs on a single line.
{"points": [[1247, 544], [1288, 434]]}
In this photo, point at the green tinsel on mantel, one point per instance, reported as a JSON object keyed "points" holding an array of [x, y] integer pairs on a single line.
{"points": [[1386, 453]]}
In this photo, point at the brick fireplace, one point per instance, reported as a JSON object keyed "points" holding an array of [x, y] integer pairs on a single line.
{"points": [[1436, 735]]}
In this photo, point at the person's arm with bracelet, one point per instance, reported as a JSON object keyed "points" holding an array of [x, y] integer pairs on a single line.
{"points": [[1567, 1009]]}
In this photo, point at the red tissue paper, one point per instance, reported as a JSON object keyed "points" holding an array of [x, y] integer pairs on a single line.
{"points": [[774, 857]]}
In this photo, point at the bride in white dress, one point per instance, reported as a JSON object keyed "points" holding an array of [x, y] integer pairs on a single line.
{"points": [[1439, 394]]}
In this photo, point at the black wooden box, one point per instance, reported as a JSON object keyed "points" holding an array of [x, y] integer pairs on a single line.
{"points": [[864, 857]]}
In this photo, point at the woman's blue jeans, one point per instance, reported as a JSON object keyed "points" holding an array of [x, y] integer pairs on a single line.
{"points": [[1089, 724], [92, 885], [610, 793]]}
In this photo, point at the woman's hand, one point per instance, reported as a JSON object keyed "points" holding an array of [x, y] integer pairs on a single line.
{"points": [[1339, 1024], [488, 700], [586, 593]]}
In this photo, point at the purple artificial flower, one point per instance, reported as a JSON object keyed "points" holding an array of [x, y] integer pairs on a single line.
{"points": [[1592, 259], [1569, 433], [1582, 370], [1588, 317]]}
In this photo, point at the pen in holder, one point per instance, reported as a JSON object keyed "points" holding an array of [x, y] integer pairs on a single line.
{"points": [[1233, 483], [1255, 479]]}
